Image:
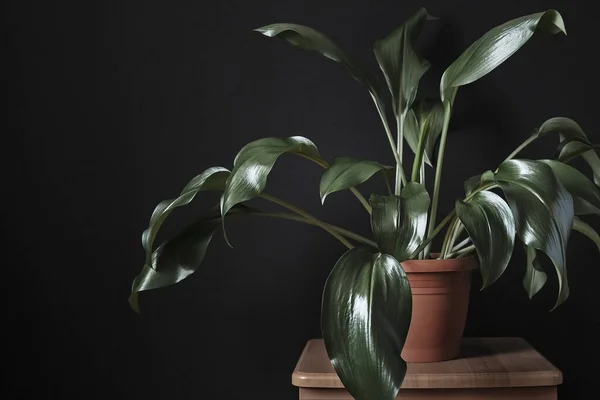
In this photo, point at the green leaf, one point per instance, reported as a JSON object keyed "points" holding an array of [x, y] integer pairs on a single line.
{"points": [[495, 47], [212, 179], [586, 196], [253, 164], [177, 258], [309, 39], [582, 227], [491, 226], [399, 222], [535, 277], [543, 211], [574, 142], [346, 172], [399, 62], [365, 315]]}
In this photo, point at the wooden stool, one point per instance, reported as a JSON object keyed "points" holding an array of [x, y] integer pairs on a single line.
{"points": [[488, 368]]}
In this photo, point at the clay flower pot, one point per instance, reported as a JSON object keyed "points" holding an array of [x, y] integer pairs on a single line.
{"points": [[440, 293]]}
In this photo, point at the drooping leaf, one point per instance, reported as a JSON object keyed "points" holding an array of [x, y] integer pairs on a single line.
{"points": [[495, 47], [574, 142], [309, 39], [543, 211], [491, 227], [400, 64], [253, 164], [399, 223], [586, 196], [212, 179], [346, 172], [587, 230], [535, 278], [365, 315], [177, 258]]}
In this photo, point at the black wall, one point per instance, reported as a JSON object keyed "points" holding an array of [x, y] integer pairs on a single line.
{"points": [[114, 106]]}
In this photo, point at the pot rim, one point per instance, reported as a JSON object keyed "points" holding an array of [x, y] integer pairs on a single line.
{"points": [[436, 265]]}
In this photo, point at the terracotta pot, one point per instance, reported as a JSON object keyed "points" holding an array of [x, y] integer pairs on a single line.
{"points": [[440, 294]]}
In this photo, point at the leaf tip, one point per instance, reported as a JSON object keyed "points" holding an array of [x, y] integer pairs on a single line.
{"points": [[134, 302]]}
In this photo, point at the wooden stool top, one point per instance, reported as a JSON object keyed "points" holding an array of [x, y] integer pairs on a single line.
{"points": [[483, 363]]}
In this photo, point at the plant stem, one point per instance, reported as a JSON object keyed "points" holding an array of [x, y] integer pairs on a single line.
{"points": [[355, 191], [400, 148], [430, 237], [461, 245], [340, 230], [438, 169], [447, 238], [462, 252], [417, 168], [447, 219], [308, 216], [526, 143], [456, 228], [388, 132]]}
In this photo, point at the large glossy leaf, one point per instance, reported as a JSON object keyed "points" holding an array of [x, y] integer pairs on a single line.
{"points": [[365, 315], [535, 278], [346, 172], [495, 47], [491, 226], [573, 142], [253, 164], [543, 211], [586, 196], [399, 62], [587, 230], [212, 179], [177, 258], [399, 222]]}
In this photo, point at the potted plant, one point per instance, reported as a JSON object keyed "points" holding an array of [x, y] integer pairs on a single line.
{"points": [[389, 299]]}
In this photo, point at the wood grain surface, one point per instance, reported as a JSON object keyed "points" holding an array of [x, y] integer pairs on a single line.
{"points": [[522, 393], [483, 363]]}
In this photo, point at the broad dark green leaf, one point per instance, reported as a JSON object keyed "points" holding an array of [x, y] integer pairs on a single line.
{"points": [[535, 278], [491, 227], [574, 142], [412, 131], [495, 47], [586, 196], [543, 211], [399, 62], [212, 179], [583, 228], [365, 315], [399, 223], [177, 258], [253, 164], [346, 172]]}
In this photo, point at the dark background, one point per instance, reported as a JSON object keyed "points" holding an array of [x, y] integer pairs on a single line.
{"points": [[114, 106]]}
